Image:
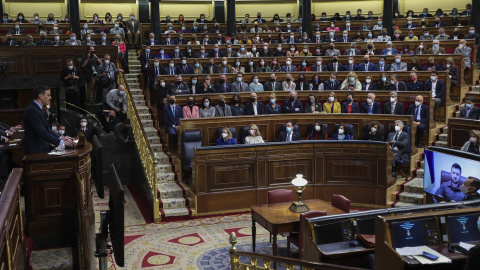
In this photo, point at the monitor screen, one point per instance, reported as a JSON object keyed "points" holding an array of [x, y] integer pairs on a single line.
{"points": [[333, 232], [409, 233], [444, 174], [463, 228]]}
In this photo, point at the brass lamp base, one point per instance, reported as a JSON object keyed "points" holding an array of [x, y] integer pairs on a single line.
{"points": [[299, 207]]}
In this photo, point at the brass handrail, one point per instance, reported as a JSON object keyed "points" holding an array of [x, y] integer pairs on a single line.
{"points": [[269, 261], [149, 161]]}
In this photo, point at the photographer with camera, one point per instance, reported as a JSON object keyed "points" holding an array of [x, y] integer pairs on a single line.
{"points": [[90, 63], [123, 131], [71, 79], [106, 75], [116, 100]]}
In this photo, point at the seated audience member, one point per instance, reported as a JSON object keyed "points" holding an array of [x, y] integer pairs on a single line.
{"points": [[374, 132], [273, 84], [352, 51], [371, 49], [350, 106], [398, 65], [124, 132], [210, 67], [441, 34], [472, 145], [456, 34], [222, 109], [43, 39], [190, 110], [224, 67], [171, 118], [207, 110], [470, 111], [292, 105], [465, 51], [226, 137], [452, 71], [240, 85], [105, 30], [421, 117], [415, 64], [369, 85], [389, 50], [302, 83], [319, 66], [88, 40], [316, 84], [394, 106], [351, 82], [335, 66], [396, 84], [437, 88], [254, 136], [237, 107], [317, 132], [116, 100], [206, 87], [332, 51], [289, 84], [184, 67], [194, 84], [289, 134], [383, 83], [426, 36], [332, 105], [103, 41], [384, 37], [398, 141], [179, 87], [382, 65], [88, 131], [254, 107], [255, 86], [406, 49], [366, 65], [162, 55], [73, 40], [397, 36], [351, 65], [17, 30], [332, 83], [431, 65], [61, 130], [313, 106], [223, 86], [288, 67], [29, 41], [371, 106], [9, 41], [342, 134], [411, 37], [414, 84], [5, 18], [272, 107]]}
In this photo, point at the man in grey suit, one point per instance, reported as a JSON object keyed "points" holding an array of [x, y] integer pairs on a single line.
{"points": [[398, 65], [239, 85], [222, 109], [399, 142], [332, 51], [73, 40], [272, 84], [179, 87], [319, 66], [352, 50], [465, 52]]}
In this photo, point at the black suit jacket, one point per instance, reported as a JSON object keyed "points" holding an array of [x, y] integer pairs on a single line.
{"points": [[144, 61], [440, 89], [203, 90], [212, 54], [295, 107], [314, 68], [7, 43], [386, 67], [268, 86], [372, 86], [474, 113], [282, 137], [89, 133], [355, 107], [38, 134], [228, 87], [375, 108], [424, 113], [249, 108], [332, 86], [43, 42], [206, 69], [155, 42], [402, 86], [399, 108]]}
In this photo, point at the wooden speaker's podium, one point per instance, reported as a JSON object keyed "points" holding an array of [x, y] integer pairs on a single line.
{"points": [[54, 185]]}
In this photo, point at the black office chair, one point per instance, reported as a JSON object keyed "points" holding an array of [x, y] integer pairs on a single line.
{"points": [[190, 140], [348, 128], [403, 167], [243, 134]]}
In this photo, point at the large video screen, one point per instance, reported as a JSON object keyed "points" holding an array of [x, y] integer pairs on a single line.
{"points": [[444, 174], [463, 228]]}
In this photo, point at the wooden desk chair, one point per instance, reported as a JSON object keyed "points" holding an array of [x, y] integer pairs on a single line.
{"points": [[279, 196], [297, 238], [341, 202]]}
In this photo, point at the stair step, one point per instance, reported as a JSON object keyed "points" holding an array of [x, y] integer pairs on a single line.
{"points": [[169, 190], [143, 110], [173, 203], [414, 186], [162, 157], [138, 97], [419, 173], [445, 130], [154, 139], [443, 137], [404, 204], [162, 168], [476, 88], [410, 197], [139, 102], [145, 116], [441, 143], [163, 177], [156, 147], [147, 123], [177, 212], [422, 164], [150, 131]]}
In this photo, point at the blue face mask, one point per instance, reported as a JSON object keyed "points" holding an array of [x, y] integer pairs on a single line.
{"points": [[468, 106], [206, 104], [380, 63], [435, 45], [379, 23], [20, 17], [315, 80], [250, 63], [122, 93], [194, 81], [189, 51], [369, 35], [147, 50], [384, 79], [73, 38], [255, 80], [272, 101], [176, 50], [304, 64], [197, 65], [105, 38], [425, 13], [239, 79], [410, 36], [289, 129], [242, 49], [392, 82], [332, 80], [205, 27], [85, 26], [397, 61], [4, 19], [345, 35]]}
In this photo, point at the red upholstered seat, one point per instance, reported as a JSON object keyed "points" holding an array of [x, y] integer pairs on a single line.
{"points": [[297, 238], [341, 202], [280, 196]]}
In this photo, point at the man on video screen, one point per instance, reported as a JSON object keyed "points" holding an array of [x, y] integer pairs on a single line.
{"points": [[450, 190]]}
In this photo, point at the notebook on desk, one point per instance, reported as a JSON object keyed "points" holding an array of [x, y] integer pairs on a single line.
{"points": [[339, 247]]}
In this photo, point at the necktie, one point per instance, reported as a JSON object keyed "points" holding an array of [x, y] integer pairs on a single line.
{"points": [[148, 57], [156, 72], [336, 67], [173, 111], [370, 109], [381, 68], [396, 137], [289, 137], [224, 88], [393, 108], [83, 130], [168, 42], [185, 69], [417, 113], [318, 40], [288, 68], [273, 86], [211, 70], [396, 86], [171, 71], [216, 54], [468, 111]]}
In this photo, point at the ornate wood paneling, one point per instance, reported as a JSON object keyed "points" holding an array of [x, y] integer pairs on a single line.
{"points": [[459, 131]]}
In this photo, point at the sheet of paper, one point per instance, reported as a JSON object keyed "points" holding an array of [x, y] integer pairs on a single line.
{"points": [[57, 153], [407, 251], [466, 245], [20, 130], [423, 260], [12, 144], [16, 140]]}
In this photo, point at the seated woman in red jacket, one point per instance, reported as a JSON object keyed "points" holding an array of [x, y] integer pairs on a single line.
{"points": [[317, 132]]}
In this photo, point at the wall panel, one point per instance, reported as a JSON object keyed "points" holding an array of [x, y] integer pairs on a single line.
{"points": [[58, 8], [432, 5], [190, 9], [88, 9], [333, 6], [267, 8]]}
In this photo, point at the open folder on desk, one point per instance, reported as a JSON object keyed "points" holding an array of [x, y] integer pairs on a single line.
{"points": [[416, 252]]}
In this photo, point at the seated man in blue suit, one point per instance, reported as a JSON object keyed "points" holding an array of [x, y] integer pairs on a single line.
{"points": [[254, 107], [171, 118], [350, 106], [176, 53], [289, 134], [421, 117], [366, 65], [292, 105], [371, 106], [184, 68], [437, 87], [389, 50], [351, 66]]}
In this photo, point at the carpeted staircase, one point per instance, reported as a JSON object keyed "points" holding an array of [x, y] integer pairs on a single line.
{"points": [[410, 192], [441, 138], [171, 194]]}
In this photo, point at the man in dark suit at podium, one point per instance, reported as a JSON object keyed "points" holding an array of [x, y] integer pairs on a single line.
{"points": [[38, 134]]}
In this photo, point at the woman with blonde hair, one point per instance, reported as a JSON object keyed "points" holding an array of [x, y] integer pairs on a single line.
{"points": [[226, 137], [471, 146], [332, 105], [193, 40], [371, 49], [452, 71], [254, 135], [351, 82]]}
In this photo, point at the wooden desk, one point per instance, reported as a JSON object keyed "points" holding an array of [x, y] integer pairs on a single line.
{"points": [[278, 218], [16, 150], [459, 131]]}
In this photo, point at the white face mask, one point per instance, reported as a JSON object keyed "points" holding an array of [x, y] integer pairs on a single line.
{"points": [[373, 130], [433, 78], [317, 128], [162, 84], [369, 100], [224, 63], [184, 62], [288, 63], [473, 139], [252, 132], [397, 128], [319, 63], [464, 189], [417, 103], [331, 99], [224, 135], [156, 64], [70, 67], [420, 47], [170, 65], [392, 99], [83, 124], [368, 81], [107, 62], [340, 131], [350, 62], [54, 128], [61, 132]]}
